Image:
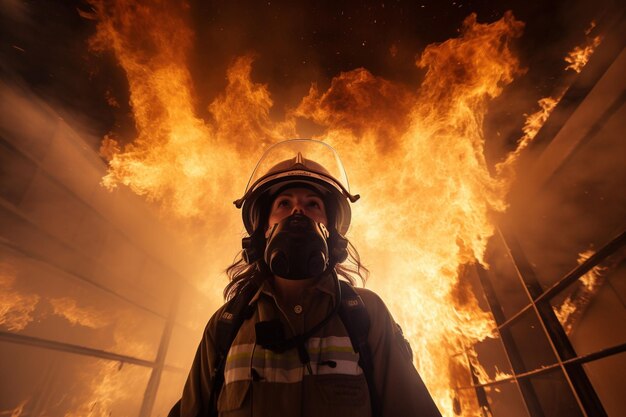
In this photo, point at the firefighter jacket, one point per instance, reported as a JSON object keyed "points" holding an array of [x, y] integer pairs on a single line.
{"points": [[264, 383]]}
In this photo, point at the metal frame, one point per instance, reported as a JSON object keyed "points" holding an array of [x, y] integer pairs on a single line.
{"points": [[555, 153], [567, 359], [157, 366]]}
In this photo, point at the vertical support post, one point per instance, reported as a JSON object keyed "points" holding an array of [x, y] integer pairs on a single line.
{"points": [[575, 374], [515, 359], [155, 376]]}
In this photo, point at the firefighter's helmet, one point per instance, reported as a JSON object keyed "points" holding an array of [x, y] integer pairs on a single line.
{"points": [[298, 161]]}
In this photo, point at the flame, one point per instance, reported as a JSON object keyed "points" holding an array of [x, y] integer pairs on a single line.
{"points": [[417, 157], [109, 387], [533, 123], [437, 193], [359, 106], [108, 381], [572, 308], [162, 100], [15, 412], [177, 158], [578, 57], [126, 327], [426, 147], [16, 307], [68, 308]]}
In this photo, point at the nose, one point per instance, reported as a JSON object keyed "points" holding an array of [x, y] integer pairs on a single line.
{"points": [[298, 208]]}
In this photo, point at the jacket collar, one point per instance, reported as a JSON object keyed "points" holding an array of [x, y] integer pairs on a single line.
{"points": [[325, 284]]}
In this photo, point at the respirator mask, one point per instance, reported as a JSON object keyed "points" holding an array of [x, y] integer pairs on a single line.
{"points": [[297, 248]]}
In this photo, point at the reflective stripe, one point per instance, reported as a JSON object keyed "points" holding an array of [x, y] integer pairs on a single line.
{"points": [[329, 355]]}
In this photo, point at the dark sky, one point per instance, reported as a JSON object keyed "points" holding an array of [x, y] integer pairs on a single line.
{"points": [[296, 43]]}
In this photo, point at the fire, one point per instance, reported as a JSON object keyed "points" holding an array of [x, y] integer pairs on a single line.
{"points": [[438, 196], [426, 148], [573, 306], [532, 125], [161, 96], [17, 411], [579, 56], [104, 383], [179, 159], [416, 157], [359, 107], [69, 309], [109, 389], [109, 381], [16, 307]]}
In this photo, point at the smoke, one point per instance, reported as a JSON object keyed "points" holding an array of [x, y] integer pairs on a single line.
{"points": [[82, 266], [98, 268]]}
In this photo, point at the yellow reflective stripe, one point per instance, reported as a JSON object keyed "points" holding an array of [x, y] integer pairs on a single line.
{"points": [[314, 346]]}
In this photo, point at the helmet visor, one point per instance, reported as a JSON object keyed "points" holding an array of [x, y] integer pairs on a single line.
{"points": [[310, 155]]}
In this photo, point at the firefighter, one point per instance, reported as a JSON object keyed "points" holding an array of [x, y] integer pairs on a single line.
{"points": [[296, 336]]}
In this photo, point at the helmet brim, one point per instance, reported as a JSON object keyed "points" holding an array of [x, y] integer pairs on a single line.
{"points": [[251, 204]]}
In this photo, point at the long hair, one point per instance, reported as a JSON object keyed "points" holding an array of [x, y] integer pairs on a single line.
{"points": [[241, 273]]}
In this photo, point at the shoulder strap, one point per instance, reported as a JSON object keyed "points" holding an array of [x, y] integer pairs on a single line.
{"points": [[235, 312], [354, 316]]}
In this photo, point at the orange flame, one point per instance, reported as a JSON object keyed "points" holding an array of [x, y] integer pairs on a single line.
{"points": [[84, 316], [578, 57], [425, 146], [106, 382], [534, 122], [439, 195], [109, 388], [416, 157], [572, 307], [16, 307], [161, 96], [178, 158]]}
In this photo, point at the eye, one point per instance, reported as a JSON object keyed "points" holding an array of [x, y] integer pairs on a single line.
{"points": [[283, 202], [314, 204]]}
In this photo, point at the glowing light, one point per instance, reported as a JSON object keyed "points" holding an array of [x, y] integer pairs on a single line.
{"points": [[425, 147], [108, 387], [16, 307], [533, 123], [416, 157], [571, 309], [578, 57], [426, 153], [69, 309]]}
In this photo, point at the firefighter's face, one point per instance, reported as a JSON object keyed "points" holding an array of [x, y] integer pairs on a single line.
{"points": [[298, 200]]}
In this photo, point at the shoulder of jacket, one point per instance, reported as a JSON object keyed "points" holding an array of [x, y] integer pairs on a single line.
{"points": [[373, 303], [211, 327], [368, 295]]}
